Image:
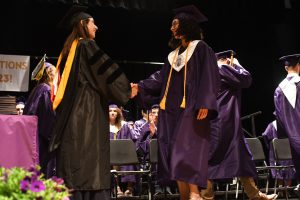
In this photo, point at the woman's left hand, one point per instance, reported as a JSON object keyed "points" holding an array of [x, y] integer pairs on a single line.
{"points": [[202, 114]]}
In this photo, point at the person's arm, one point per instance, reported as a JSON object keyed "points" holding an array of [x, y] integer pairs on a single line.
{"points": [[107, 76], [236, 76], [207, 82], [149, 90]]}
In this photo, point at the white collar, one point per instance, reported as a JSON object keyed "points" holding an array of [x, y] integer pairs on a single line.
{"points": [[289, 88], [275, 124], [179, 63]]}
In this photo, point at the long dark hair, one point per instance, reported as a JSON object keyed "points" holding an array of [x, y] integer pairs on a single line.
{"points": [[190, 29], [80, 30]]}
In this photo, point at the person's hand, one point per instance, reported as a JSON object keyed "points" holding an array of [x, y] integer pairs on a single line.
{"points": [[134, 89], [152, 128], [202, 114], [236, 62]]}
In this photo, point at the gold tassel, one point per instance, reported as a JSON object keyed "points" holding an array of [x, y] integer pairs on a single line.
{"points": [[162, 104], [184, 80], [183, 103]]}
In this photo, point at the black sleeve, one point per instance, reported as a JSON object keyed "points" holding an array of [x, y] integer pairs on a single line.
{"points": [[107, 76]]}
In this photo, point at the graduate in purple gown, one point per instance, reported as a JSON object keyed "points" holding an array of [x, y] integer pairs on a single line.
{"points": [[39, 103], [187, 87], [137, 126], [119, 129], [287, 107], [229, 154], [287, 174], [148, 131]]}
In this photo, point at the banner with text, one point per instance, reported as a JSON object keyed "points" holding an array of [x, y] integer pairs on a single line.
{"points": [[14, 73]]}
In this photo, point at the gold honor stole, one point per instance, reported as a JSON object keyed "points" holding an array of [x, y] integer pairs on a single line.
{"points": [[65, 76]]}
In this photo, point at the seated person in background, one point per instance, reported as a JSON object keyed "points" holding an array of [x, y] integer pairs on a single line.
{"points": [[119, 129], [20, 107], [269, 134], [39, 103], [147, 132], [139, 124]]}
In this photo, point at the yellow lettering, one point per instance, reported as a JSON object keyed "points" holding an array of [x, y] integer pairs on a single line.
{"points": [[11, 65]]}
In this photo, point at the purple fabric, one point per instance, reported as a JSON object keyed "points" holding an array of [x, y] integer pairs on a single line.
{"points": [[269, 134], [125, 133], [183, 141], [137, 128], [18, 144], [39, 103], [144, 139], [229, 154], [287, 117]]}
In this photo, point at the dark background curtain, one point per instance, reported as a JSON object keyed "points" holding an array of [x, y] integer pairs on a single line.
{"points": [[138, 30]]}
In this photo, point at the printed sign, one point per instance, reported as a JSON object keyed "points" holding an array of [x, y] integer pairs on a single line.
{"points": [[14, 73]]}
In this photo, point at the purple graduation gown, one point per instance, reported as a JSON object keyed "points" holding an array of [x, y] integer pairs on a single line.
{"points": [[269, 134], [39, 104], [183, 141], [144, 139], [229, 155], [288, 118], [137, 127], [125, 133]]}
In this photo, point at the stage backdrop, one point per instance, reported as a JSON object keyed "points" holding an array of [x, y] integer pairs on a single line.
{"points": [[14, 73]]}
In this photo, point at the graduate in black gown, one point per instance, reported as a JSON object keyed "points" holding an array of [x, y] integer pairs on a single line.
{"points": [[90, 79], [187, 87]]}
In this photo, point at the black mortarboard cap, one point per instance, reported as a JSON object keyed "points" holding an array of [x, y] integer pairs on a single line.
{"points": [[225, 54], [73, 16], [154, 106], [39, 69], [290, 60], [190, 12]]}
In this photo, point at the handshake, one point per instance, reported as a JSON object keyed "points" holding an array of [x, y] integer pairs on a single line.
{"points": [[134, 90]]}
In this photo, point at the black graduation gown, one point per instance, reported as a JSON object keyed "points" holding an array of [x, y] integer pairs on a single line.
{"points": [[81, 132]]}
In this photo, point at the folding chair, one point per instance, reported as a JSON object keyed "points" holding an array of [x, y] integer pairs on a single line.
{"points": [[282, 151], [123, 152], [263, 170]]}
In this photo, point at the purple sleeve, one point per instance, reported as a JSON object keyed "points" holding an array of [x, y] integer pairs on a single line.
{"points": [[150, 90], [236, 76], [208, 79]]}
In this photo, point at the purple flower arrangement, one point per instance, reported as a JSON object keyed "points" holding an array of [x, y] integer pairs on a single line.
{"points": [[18, 183]]}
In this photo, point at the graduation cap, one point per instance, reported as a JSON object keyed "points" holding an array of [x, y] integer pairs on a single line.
{"points": [[290, 60], [113, 106], [38, 71], [73, 16], [190, 12], [225, 54], [154, 106]]}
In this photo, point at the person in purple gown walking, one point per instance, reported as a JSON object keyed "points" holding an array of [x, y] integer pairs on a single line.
{"points": [[229, 154], [287, 108], [187, 87]]}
